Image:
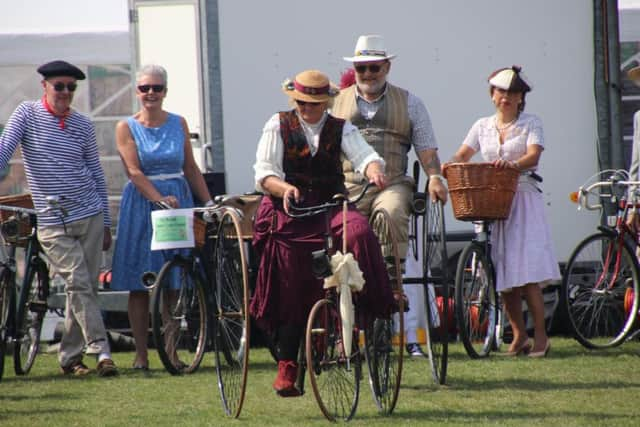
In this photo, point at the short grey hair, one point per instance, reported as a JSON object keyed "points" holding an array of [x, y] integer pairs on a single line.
{"points": [[152, 70]]}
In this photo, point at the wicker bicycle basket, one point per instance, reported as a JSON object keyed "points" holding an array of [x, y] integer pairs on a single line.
{"points": [[24, 224], [480, 191], [199, 231]]}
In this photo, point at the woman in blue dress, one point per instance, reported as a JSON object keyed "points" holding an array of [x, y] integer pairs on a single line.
{"points": [[155, 150]]}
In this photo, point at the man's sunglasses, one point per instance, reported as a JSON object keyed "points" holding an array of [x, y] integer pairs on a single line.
{"points": [[374, 68], [59, 87], [155, 88]]}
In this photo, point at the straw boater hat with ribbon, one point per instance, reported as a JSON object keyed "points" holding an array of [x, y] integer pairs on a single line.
{"points": [[310, 86], [511, 79], [369, 48], [634, 75]]}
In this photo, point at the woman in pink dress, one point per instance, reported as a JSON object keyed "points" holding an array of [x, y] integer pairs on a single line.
{"points": [[522, 249]]}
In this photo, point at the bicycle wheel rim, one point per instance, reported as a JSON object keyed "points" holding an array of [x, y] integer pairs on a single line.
{"points": [[231, 323], [30, 316], [600, 273], [334, 378], [384, 350], [7, 305], [437, 284], [179, 318], [382, 363], [475, 302]]}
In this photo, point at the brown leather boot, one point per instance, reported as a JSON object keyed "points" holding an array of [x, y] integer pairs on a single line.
{"points": [[285, 383]]}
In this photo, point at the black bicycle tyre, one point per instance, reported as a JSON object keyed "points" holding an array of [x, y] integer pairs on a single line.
{"points": [[7, 308], [597, 316], [185, 321], [231, 313], [476, 301], [383, 353], [435, 260], [335, 383], [31, 309]]}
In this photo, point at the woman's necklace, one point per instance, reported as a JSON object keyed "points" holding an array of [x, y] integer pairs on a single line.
{"points": [[505, 126]]}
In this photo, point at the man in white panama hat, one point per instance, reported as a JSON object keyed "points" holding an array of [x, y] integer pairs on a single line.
{"points": [[392, 120]]}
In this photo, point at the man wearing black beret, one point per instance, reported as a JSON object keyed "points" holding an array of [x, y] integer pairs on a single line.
{"points": [[61, 160]]}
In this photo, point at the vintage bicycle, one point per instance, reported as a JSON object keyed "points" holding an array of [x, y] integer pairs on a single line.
{"points": [[427, 237], [481, 194], [201, 301], [335, 368], [23, 305], [601, 280]]}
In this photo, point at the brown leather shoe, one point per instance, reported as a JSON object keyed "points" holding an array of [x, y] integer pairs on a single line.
{"points": [[285, 382], [106, 368], [77, 369]]}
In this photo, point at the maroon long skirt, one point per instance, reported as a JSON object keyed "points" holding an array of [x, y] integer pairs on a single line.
{"points": [[286, 288]]}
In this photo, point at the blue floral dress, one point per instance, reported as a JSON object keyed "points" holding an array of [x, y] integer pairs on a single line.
{"points": [[161, 157]]}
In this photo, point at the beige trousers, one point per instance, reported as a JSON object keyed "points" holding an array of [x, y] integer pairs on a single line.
{"points": [[76, 256], [396, 200]]}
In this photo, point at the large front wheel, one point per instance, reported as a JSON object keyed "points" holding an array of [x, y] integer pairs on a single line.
{"points": [[231, 313], [600, 290], [476, 301], [436, 280], [334, 374], [32, 307], [179, 317]]}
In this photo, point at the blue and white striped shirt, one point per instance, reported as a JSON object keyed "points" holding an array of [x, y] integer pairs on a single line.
{"points": [[57, 162]]}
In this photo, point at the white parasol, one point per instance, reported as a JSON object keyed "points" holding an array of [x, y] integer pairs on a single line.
{"points": [[346, 277]]}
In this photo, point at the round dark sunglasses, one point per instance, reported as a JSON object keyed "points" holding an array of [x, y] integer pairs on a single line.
{"points": [[59, 87], [301, 103], [154, 88]]}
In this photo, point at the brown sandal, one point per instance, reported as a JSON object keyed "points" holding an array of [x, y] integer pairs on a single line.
{"points": [[106, 368], [77, 369]]}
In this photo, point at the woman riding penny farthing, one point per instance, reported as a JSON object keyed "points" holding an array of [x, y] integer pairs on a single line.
{"points": [[299, 158]]}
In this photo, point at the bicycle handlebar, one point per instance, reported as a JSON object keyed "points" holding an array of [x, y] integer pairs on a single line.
{"points": [[211, 213], [53, 204], [584, 193], [338, 199]]}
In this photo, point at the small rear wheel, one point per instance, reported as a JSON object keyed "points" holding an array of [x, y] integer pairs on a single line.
{"points": [[179, 317], [476, 302], [334, 374], [32, 307], [231, 312], [382, 352]]}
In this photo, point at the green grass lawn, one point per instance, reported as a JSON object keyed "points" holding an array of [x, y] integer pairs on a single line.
{"points": [[572, 387]]}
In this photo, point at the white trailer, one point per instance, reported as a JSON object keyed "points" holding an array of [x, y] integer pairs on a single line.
{"points": [[445, 52]]}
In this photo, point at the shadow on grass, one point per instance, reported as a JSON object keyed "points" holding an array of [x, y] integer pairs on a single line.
{"points": [[449, 416]]}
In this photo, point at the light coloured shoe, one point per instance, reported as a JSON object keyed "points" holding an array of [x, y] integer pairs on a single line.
{"points": [[543, 353], [524, 349], [414, 350]]}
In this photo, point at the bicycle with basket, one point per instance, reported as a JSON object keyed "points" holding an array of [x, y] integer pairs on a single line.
{"points": [[23, 303], [479, 193], [601, 280]]}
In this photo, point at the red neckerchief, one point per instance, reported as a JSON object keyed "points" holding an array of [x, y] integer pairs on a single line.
{"points": [[60, 117]]}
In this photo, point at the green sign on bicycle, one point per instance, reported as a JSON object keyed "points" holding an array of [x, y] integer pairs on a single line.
{"points": [[172, 229]]}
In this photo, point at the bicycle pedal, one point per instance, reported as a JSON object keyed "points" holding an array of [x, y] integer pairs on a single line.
{"points": [[38, 306]]}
